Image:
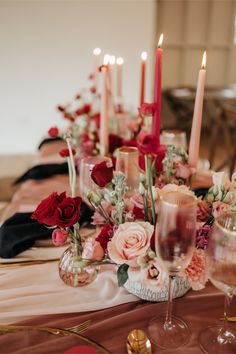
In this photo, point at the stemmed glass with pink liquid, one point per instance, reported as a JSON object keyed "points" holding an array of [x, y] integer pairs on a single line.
{"points": [[175, 241]]}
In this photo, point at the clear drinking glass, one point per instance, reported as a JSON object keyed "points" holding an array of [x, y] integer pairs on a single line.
{"points": [[86, 184], [127, 162], [221, 256], [175, 241], [174, 137]]}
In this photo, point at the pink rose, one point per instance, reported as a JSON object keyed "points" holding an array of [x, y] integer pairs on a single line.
{"points": [[196, 271], [130, 241], [219, 208], [59, 237], [183, 171], [92, 250]]}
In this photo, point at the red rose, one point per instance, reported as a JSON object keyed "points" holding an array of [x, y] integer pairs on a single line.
{"points": [[53, 132], [45, 211], [114, 142], [96, 119], [148, 144], [138, 213], [105, 236], [161, 153], [102, 174], [67, 212], [66, 153], [147, 109]]}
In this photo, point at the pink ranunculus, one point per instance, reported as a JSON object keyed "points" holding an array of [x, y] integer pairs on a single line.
{"points": [[59, 237], [92, 250], [130, 241], [196, 271], [219, 208], [153, 275], [183, 171]]}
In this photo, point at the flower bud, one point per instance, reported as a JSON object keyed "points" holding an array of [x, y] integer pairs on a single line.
{"points": [[141, 189]]}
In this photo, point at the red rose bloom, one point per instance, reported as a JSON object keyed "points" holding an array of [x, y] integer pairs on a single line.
{"points": [[67, 212], [102, 174], [147, 109], [114, 142], [53, 132], [161, 153], [45, 211], [105, 236], [66, 153], [148, 144]]}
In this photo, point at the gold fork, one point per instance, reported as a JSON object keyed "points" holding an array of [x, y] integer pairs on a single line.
{"points": [[80, 328]]}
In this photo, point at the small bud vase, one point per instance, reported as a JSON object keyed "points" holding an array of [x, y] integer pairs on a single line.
{"points": [[73, 270]]}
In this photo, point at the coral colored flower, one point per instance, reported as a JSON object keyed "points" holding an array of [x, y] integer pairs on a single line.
{"points": [[105, 236], [147, 109], [148, 144], [66, 153], [203, 210], [45, 211], [196, 271], [53, 132], [102, 174], [59, 237], [130, 241], [67, 212]]}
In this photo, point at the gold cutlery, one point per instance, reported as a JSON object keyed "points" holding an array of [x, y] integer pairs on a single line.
{"points": [[230, 319], [138, 342], [28, 262], [80, 328]]}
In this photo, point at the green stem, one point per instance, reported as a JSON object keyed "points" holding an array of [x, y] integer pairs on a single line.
{"points": [[71, 167]]}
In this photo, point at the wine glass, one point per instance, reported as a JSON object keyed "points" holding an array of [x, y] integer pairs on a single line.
{"points": [[221, 262], [175, 240]]}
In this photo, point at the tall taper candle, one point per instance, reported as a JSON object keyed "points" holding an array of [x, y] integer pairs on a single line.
{"points": [[119, 62], [156, 124], [143, 77], [96, 54], [104, 142], [197, 116]]}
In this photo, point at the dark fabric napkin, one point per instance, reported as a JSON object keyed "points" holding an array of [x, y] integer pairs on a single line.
{"points": [[44, 171], [48, 140], [20, 232]]}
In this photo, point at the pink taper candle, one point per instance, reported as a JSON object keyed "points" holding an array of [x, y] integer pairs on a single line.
{"points": [[104, 142], [119, 62], [96, 53], [156, 124], [197, 116], [143, 77]]}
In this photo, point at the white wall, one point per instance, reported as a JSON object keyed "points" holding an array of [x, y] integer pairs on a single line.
{"points": [[46, 55]]}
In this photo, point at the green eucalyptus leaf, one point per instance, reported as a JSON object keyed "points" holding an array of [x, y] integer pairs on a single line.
{"points": [[122, 274]]}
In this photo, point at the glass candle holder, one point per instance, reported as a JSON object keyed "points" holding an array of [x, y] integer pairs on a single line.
{"points": [[123, 124], [86, 183], [127, 162], [174, 137]]}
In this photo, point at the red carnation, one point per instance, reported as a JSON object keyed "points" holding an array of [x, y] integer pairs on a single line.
{"points": [[66, 152], [148, 144], [114, 142], [53, 132], [147, 109], [67, 212], [102, 174], [45, 211], [105, 236]]}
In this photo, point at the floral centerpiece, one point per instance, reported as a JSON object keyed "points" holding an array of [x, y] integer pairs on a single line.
{"points": [[127, 235]]}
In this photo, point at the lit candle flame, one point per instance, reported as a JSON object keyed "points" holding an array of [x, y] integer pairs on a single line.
{"points": [[160, 41], [106, 59], [112, 59], [204, 60], [97, 51], [144, 56], [119, 61]]}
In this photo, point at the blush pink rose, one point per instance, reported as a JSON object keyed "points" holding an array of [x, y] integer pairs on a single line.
{"points": [[59, 237], [92, 250], [183, 171], [219, 208], [130, 241]]}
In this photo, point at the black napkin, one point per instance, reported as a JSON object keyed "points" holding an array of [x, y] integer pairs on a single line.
{"points": [[20, 232], [48, 140], [44, 171]]}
